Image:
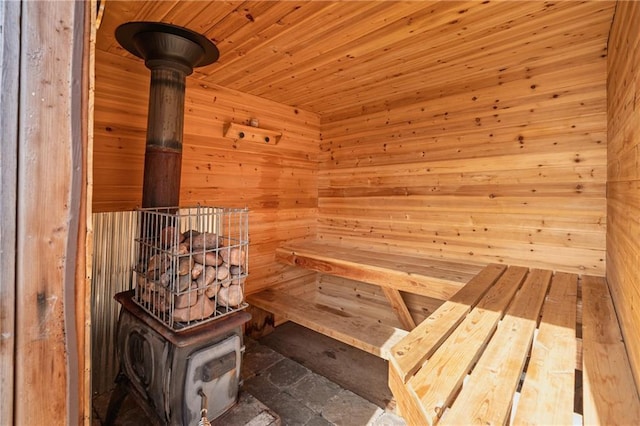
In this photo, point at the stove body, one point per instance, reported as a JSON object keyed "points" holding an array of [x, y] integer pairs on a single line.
{"points": [[174, 374]]}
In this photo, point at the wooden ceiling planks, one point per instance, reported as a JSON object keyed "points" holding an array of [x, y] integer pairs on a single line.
{"points": [[490, 60], [248, 38], [258, 37], [390, 50], [386, 80], [338, 59], [303, 41], [334, 42]]}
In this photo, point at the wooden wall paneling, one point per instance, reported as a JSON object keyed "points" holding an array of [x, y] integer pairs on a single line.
{"points": [[461, 170], [119, 130], [623, 186], [448, 138], [543, 93], [502, 173], [277, 183], [447, 226], [50, 186]]}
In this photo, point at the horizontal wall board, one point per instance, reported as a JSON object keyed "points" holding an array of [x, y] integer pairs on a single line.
{"points": [[508, 165], [623, 169]]}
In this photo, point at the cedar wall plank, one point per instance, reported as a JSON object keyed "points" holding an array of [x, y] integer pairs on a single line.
{"points": [[277, 183], [623, 204], [485, 171]]}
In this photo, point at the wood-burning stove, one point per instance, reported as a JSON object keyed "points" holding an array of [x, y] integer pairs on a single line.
{"points": [[180, 346], [179, 334]]}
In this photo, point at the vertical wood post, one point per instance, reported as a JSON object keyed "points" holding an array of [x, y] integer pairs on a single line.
{"points": [[50, 186], [9, 72]]}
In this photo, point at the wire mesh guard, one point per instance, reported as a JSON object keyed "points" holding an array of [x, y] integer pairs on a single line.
{"points": [[192, 263]]}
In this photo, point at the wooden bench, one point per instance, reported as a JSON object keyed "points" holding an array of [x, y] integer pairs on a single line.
{"points": [[435, 278], [358, 331], [506, 349], [392, 272]]}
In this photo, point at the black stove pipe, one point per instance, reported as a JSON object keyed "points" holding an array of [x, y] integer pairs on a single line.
{"points": [[171, 53]]}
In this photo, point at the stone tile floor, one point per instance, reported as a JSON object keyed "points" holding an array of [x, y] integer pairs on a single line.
{"points": [[275, 386], [301, 397]]}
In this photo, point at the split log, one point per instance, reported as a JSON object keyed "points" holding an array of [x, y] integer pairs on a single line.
{"points": [[234, 256], [206, 240], [231, 296], [210, 258], [203, 308], [185, 265], [212, 290], [187, 299], [206, 278], [222, 272], [196, 270], [170, 236]]}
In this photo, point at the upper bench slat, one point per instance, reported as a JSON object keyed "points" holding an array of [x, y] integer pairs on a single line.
{"points": [[436, 384], [610, 394], [487, 396], [495, 360], [548, 391], [411, 352], [425, 276]]}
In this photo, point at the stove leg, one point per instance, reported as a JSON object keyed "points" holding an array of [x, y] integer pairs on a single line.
{"points": [[117, 398]]}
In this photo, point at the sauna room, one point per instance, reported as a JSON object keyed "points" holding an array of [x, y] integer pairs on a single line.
{"points": [[325, 212]]}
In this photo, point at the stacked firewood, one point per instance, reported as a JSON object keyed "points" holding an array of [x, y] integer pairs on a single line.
{"points": [[188, 274]]}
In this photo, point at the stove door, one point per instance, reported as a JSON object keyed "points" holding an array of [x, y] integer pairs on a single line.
{"points": [[143, 354], [215, 370]]}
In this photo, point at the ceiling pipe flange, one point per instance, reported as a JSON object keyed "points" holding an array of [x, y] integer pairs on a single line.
{"points": [[159, 42]]}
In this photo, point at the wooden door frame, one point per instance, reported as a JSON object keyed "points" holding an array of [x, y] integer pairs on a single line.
{"points": [[46, 53]]}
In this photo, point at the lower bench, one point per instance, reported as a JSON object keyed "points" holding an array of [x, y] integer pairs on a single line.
{"points": [[505, 349], [363, 333]]}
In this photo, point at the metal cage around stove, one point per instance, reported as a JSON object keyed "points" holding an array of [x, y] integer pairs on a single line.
{"points": [[192, 263]]}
